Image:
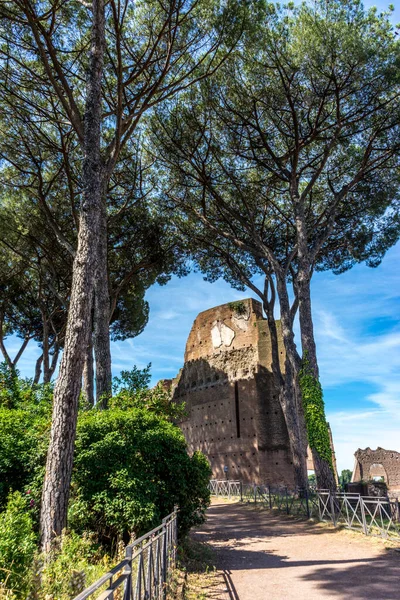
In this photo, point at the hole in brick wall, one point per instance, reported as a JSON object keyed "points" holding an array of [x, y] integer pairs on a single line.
{"points": [[276, 412], [276, 463]]}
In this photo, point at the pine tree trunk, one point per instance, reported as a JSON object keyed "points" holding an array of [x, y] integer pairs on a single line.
{"points": [[286, 386], [54, 360], [88, 373], [295, 416], [101, 330], [46, 357], [38, 370], [56, 486], [323, 470]]}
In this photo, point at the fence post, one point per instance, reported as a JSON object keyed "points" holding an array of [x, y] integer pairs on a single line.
{"points": [[307, 504], [255, 493], [164, 560], [269, 497], [241, 491], [333, 512], [287, 503], [397, 510], [128, 569], [364, 520]]}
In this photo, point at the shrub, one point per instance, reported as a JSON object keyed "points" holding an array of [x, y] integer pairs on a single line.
{"points": [[17, 545], [131, 468], [78, 562], [23, 445]]}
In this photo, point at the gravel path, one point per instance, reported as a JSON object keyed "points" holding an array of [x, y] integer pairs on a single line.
{"points": [[269, 557]]}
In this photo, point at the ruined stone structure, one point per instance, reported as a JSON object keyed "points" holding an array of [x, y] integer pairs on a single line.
{"points": [[234, 414], [378, 463]]}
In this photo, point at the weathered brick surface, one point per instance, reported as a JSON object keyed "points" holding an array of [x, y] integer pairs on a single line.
{"points": [[234, 414], [376, 463]]}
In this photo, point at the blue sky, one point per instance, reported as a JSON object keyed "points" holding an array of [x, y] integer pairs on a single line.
{"points": [[357, 324]]}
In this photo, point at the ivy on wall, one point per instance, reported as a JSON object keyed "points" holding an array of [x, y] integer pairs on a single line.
{"points": [[314, 412]]}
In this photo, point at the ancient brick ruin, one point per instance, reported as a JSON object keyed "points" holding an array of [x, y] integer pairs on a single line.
{"points": [[234, 414], [370, 464]]}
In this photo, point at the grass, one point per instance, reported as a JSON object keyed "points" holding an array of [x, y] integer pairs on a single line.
{"points": [[196, 577]]}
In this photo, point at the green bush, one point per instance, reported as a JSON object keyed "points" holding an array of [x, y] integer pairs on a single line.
{"points": [[78, 562], [17, 545], [131, 468], [23, 445]]}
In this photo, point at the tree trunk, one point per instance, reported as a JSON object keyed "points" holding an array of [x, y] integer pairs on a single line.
{"points": [[46, 356], [54, 360], [285, 385], [88, 374], [323, 470], [56, 486], [101, 330], [294, 416], [38, 370]]}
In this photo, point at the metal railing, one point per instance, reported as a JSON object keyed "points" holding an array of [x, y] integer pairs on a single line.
{"points": [[144, 572], [224, 487], [369, 515]]}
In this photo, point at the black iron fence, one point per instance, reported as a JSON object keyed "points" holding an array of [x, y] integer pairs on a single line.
{"points": [[144, 572], [369, 515]]}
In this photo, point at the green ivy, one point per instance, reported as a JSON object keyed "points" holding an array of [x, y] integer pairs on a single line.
{"points": [[314, 412]]}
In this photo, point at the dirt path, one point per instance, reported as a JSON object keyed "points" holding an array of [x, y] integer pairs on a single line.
{"points": [[268, 557]]}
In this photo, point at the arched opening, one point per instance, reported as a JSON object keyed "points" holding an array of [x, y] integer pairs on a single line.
{"points": [[377, 472]]}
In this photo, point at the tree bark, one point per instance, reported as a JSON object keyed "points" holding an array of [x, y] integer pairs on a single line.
{"points": [[38, 370], [56, 486], [54, 359], [101, 330], [285, 384], [294, 416], [323, 470], [88, 373], [46, 356]]}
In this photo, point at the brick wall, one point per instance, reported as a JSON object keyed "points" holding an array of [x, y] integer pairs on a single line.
{"points": [[233, 411]]}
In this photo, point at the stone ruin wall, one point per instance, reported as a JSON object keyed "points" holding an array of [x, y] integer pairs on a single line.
{"points": [[234, 414], [376, 463]]}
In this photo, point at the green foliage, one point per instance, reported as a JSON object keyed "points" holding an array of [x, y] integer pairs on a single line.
{"points": [[132, 391], [9, 388], [132, 381], [314, 413], [17, 545], [238, 307], [312, 479], [23, 446], [131, 468], [78, 562], [345, 477]]}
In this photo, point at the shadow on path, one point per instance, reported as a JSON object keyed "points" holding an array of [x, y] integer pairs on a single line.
{"points": [[266, 557]]}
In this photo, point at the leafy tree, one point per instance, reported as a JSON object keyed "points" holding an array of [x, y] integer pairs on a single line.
{"points": [[345, 477], [139, 55], [131, 390], [287, 163]]}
